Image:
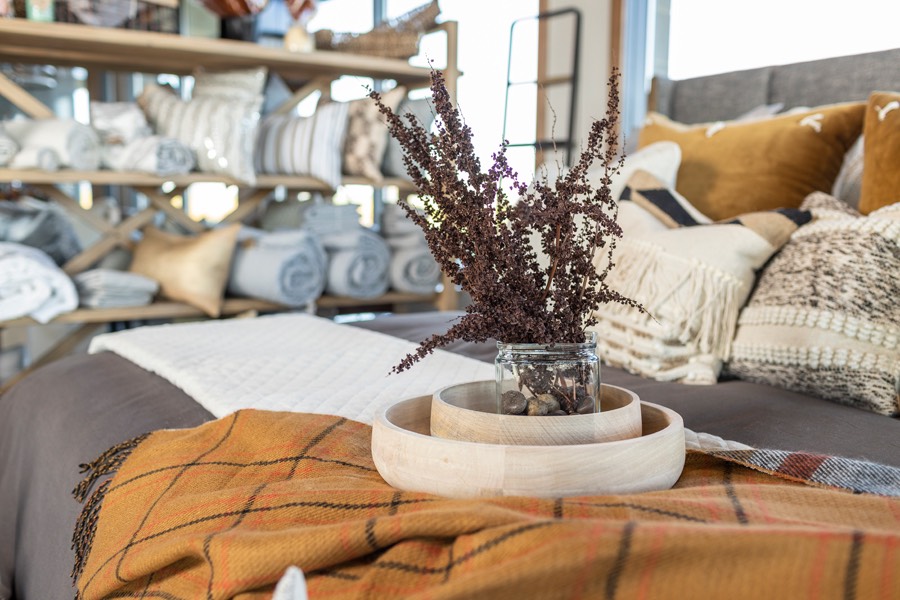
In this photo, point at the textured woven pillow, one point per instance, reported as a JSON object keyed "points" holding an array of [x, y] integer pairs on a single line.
{"points": [[881, 175], [310, 146], [235, 84], [423, 111], [367, 135], [825, 316], [692, 281], [221, 132], [193, 269], [732, 168]]}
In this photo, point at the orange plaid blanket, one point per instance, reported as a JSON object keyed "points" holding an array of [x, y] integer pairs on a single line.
{"points": [[222, 510]]}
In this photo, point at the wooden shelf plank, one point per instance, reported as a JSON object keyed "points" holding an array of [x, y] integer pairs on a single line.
{"points": [[145, 180], [82, 45], [231, 306]]}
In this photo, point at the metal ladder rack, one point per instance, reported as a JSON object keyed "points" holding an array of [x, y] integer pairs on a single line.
{"points": [[570, 79]]}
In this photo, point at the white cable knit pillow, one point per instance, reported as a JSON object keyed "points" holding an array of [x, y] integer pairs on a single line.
{"points": [[825, 316], [692, 280]]}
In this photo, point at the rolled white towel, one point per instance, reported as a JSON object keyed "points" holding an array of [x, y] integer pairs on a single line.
{"points": [[153, 154], [119, 122], [394, 222], [358, 264], [77, 145], [286, 267], [414, 270], [31, 284], [8, 148], [35, 157]]}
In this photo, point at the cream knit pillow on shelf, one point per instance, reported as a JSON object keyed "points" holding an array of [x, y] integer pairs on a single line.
{"points": [[825, 317], [367, 135], [693, 282]]}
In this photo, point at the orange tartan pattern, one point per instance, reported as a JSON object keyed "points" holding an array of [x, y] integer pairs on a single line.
{"points": [[220, 511]]}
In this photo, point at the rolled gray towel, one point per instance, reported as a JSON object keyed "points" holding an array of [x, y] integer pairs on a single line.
{"points": [[358, 264], [286, 267], [77, 145], [153, 154], [414, 270], [8, 148]]}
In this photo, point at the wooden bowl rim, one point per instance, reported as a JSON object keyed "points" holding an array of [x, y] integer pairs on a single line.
{"points": [[673, 418], [632, 398]]}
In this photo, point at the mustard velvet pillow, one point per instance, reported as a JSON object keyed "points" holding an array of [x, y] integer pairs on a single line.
{"points": [[193, 270], [731, 168], [881, 165]]}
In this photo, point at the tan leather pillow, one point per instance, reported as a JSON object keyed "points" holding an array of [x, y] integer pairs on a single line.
{"points": [[732, 168], [881, 152], [192, 269]]}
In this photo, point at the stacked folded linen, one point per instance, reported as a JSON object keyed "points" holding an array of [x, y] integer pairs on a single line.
{"points": [[412, 268], [108, 288], [129, 143], [153, 154], [328, 219], [40, 225], [287, 267], [358, 264], [31, 284], [76, 146], [8, 147]]}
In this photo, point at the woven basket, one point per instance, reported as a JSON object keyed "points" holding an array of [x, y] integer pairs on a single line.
{"points": [[398, 38]]}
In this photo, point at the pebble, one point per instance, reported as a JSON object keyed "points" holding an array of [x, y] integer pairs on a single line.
{"points": [[513, 402], [550, 401], [536, 408]]}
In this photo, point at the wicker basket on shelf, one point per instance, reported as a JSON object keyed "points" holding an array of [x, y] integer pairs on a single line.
{"points": [[398, 38]]}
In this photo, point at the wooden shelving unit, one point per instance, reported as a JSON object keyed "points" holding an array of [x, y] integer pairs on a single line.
{"points": [[65, 44]]}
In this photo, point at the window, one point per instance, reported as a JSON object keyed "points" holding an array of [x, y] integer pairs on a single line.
{"points": [[711, 36]]}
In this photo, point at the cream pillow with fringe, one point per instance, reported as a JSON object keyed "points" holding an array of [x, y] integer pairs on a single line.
{"points": [[693, 282]]}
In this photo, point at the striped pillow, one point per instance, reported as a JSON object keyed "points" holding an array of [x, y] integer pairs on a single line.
{"points": [[311, 146]]}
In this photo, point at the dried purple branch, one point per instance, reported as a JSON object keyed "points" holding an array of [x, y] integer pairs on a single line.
{"points": [[480, 224]]}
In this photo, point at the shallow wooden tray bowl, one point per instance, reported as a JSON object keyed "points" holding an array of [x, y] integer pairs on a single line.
{"points": [[409, 458], [468, 412]]}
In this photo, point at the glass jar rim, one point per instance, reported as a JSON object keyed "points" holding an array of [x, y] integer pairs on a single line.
{"points": [[590, 343]]}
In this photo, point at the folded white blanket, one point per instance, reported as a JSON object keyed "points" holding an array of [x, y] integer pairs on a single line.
{"points": [[287, 267], [153, 154], [414, 270], [394, 222], [328, 219], [292, 362], [8, 147], [76, 145], [36, 157], [358, 264], [119, 122], [31, 284]]}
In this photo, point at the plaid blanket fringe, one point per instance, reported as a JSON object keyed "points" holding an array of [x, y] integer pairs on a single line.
{"points": [[301, 490]]}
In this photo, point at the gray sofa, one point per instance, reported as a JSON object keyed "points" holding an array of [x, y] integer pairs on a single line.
{"points": [[814, 83]]}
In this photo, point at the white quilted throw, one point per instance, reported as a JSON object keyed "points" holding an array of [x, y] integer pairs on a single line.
{"points": [[290, 362]]}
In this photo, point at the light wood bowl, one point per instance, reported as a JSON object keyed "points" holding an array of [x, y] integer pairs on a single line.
{"points": [[410, 459], [468, 412]]}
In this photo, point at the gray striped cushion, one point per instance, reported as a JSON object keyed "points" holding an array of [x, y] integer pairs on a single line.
{"points": [[311, 146]]}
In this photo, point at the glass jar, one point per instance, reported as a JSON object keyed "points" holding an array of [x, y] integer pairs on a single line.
{"points": [[548, 379]]}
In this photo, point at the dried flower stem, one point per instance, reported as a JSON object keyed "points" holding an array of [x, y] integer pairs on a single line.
{"points": [[486, 236]]}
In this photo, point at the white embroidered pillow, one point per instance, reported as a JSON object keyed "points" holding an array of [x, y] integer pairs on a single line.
{"points": [[221, 132], [825, 317]]}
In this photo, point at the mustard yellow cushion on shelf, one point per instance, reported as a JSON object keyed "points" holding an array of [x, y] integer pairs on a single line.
{"points": [[881, 165], [732, 168], [193, 270]]}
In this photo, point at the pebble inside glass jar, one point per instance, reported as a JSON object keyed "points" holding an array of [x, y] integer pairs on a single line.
{"points": [[548, 379]]}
